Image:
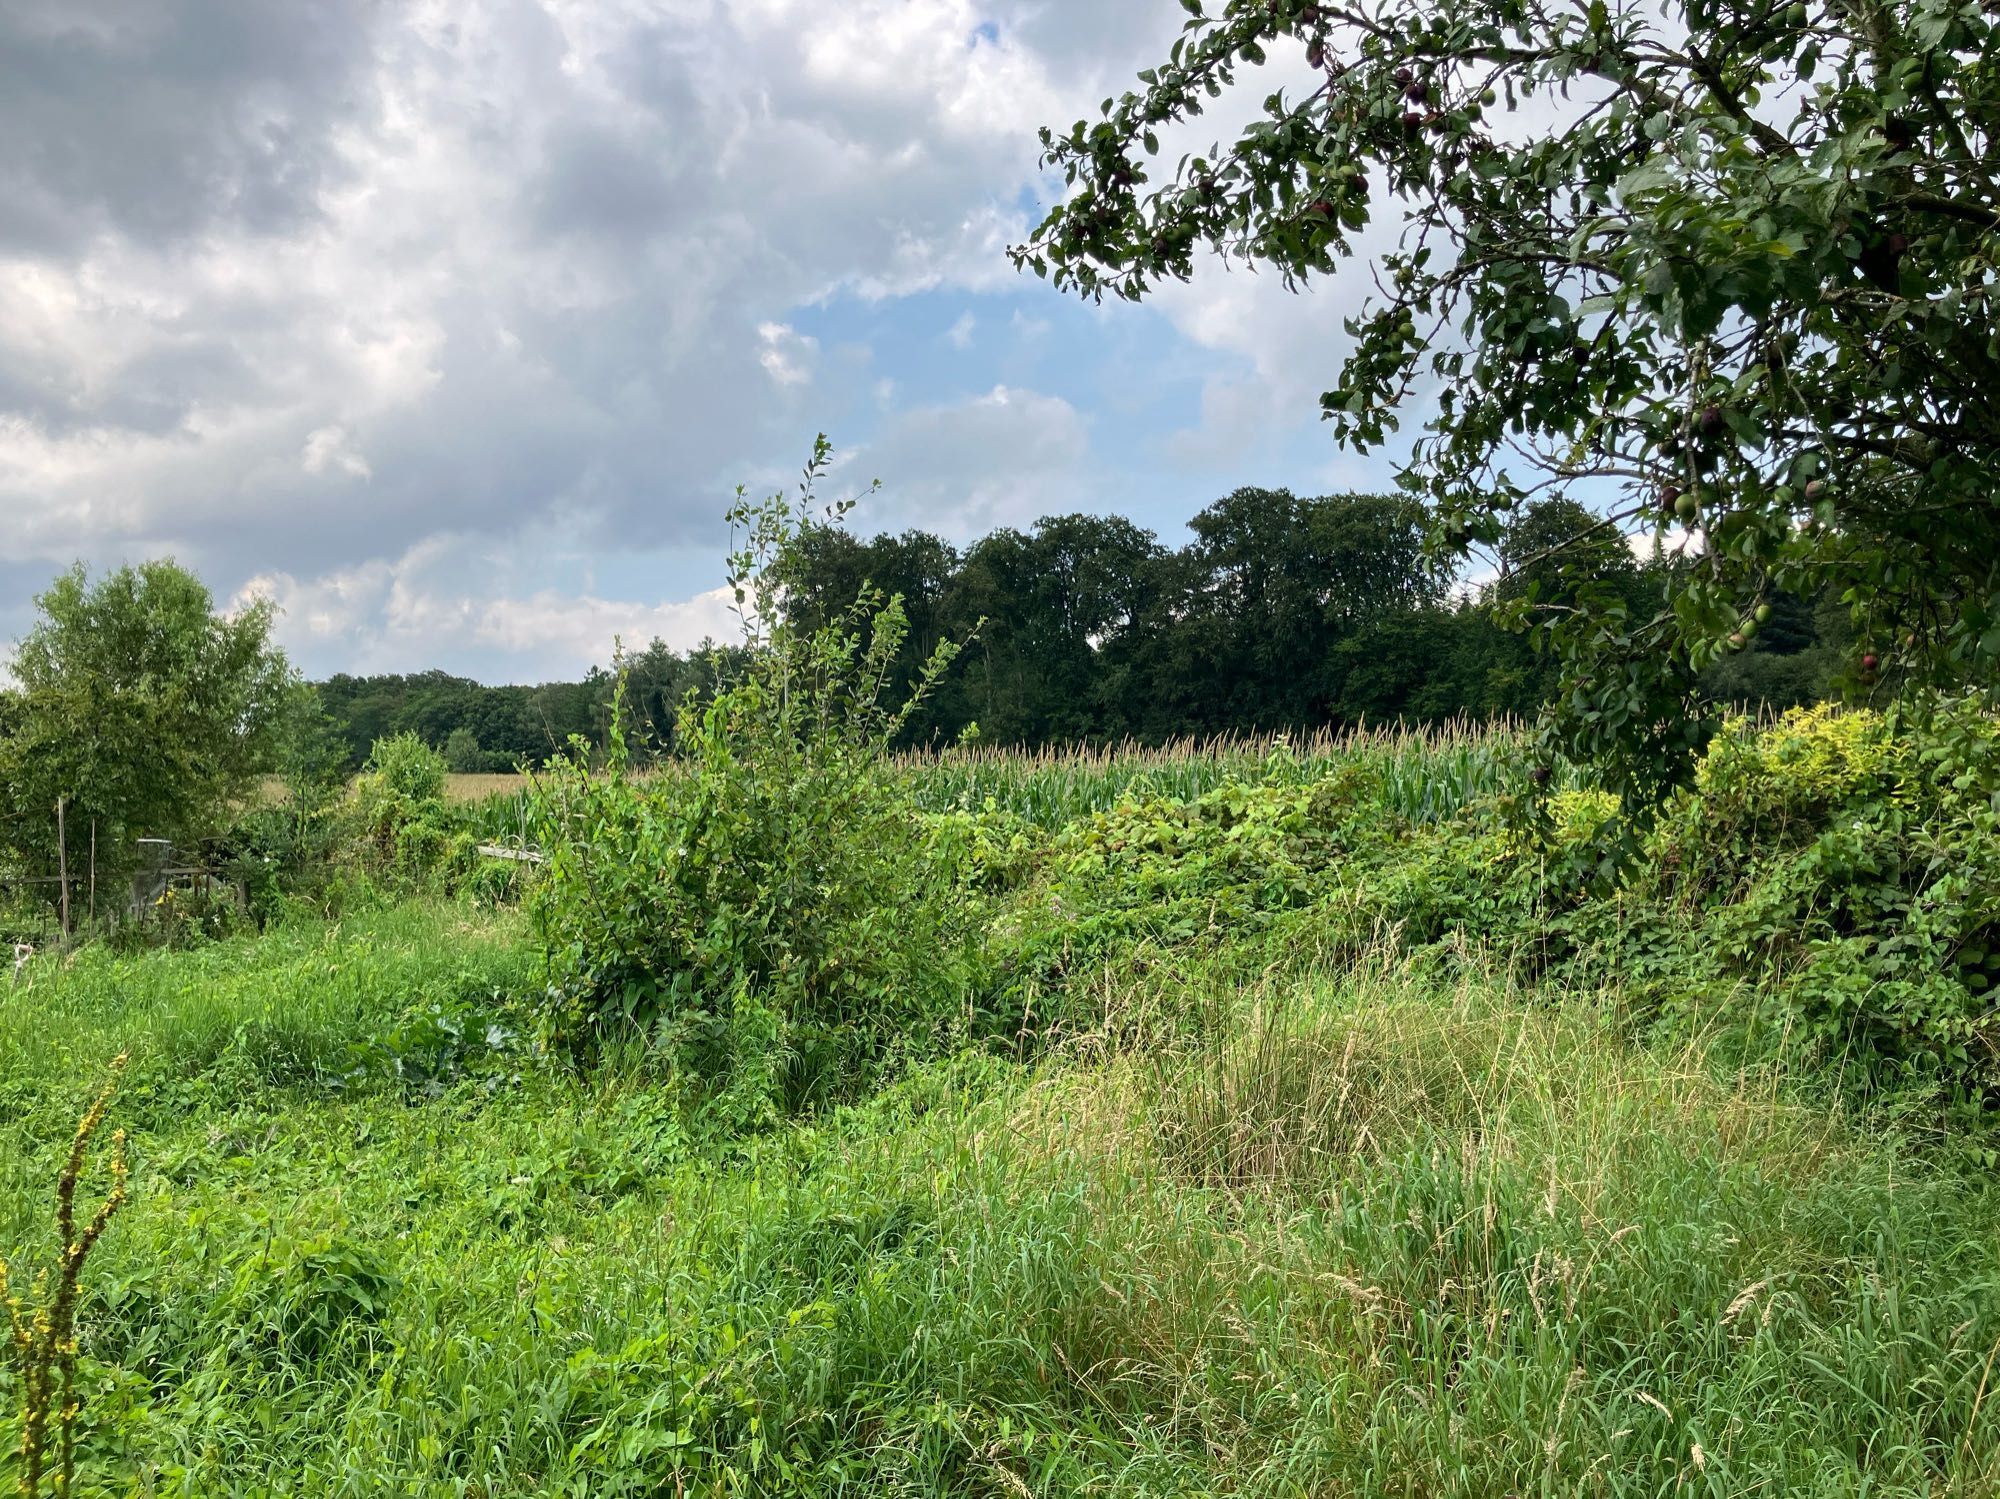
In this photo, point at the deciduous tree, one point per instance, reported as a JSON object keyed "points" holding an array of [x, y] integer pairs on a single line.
{"points": [[1724, 267], [140, 708]]}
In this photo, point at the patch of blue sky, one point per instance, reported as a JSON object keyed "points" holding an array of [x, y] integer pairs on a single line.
{"points": [[1144, 390], [1134, 378]]}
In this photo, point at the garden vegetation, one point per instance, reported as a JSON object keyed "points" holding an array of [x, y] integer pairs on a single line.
{"points": [[1258, 1118], [789, 1093], [1280, 614]]}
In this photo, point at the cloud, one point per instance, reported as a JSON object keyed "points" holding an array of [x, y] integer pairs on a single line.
{"points": [[175, 120], [1282, 349], [1673, 541], [785, 354], [328, 447], [587, 627], [1004, 458], [442, 601], [347, 301], [552, 232]]}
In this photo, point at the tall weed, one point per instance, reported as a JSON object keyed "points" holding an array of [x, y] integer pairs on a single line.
{"points": [[765, 919]]}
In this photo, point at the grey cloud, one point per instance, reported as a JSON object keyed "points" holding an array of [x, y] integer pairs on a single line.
{"points": [[163, 120], [1108, 40], [1002, 459], [308, 284], [597, 180]]}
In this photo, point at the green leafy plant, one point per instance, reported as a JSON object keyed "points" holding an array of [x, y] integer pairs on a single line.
{"points": [[1746, 291], [143, 711], [764, 915], [1846, 862], [1217, 867], [291, 1300], [1233, 1256], [403, 827]]}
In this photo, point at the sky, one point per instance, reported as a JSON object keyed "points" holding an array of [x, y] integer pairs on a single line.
{"points": [[450, 326]]}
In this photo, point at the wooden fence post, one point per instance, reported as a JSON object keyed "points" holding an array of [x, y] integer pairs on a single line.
{"points": [[62, 866]]}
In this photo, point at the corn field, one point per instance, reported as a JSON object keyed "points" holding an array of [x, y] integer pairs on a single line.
{"points": [[1426, 773]]}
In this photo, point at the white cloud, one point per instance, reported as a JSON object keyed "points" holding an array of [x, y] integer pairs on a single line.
{"points": [[1674, 541], [430, 605], [329, 447], [302, 293], [585, 628], [1283, 347], [959, 334], [1026, 327], [1005, 458], [785, 354]]}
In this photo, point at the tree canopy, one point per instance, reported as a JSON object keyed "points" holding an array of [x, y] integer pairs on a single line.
{"points": [[138, 707], [505, 727], [1725, 271], [1280, 612]]}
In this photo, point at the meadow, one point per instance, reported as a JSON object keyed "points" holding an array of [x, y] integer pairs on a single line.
{"points": [[1294, 1119]]}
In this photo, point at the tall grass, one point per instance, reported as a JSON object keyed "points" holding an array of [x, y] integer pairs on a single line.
{"points": [[502, 815], [1261, 1226], [1376, 1235], [233, 1021], [1426, 772]]}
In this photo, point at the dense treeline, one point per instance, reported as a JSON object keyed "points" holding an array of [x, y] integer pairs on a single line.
{"points": [[1280, 612], [486, 727], [498, 728]]}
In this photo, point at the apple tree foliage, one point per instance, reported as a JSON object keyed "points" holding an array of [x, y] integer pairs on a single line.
{"points": [[1724, 269]]}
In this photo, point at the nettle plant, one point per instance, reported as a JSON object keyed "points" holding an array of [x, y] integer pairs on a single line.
{"points": [[762, 911], [1729, 267]]}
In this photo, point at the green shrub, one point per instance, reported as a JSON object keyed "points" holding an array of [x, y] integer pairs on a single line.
{"points": [[1325, 858], [1840, 870], [1828, 891], [767, 918], [291, 1301], [463, 754], [404, 829], [988, 850], [282, 848], [1172, 872]]}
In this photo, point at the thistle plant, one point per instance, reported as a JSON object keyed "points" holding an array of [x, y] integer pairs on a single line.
{"points": [[43, 1327]]}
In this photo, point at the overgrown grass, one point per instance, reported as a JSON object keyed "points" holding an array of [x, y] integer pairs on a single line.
{"points": [[301, 1008], [460, 787], [1426, 773], [1362, 1230], [1241, 1167]]}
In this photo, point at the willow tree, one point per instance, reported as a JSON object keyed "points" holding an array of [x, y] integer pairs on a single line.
{"points": [[1723, 270]]}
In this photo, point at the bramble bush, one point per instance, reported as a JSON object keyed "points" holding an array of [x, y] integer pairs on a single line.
{"points": [[403, 827], [767, 919], [1847, 861], [1171, 872], [1825, 895]]}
